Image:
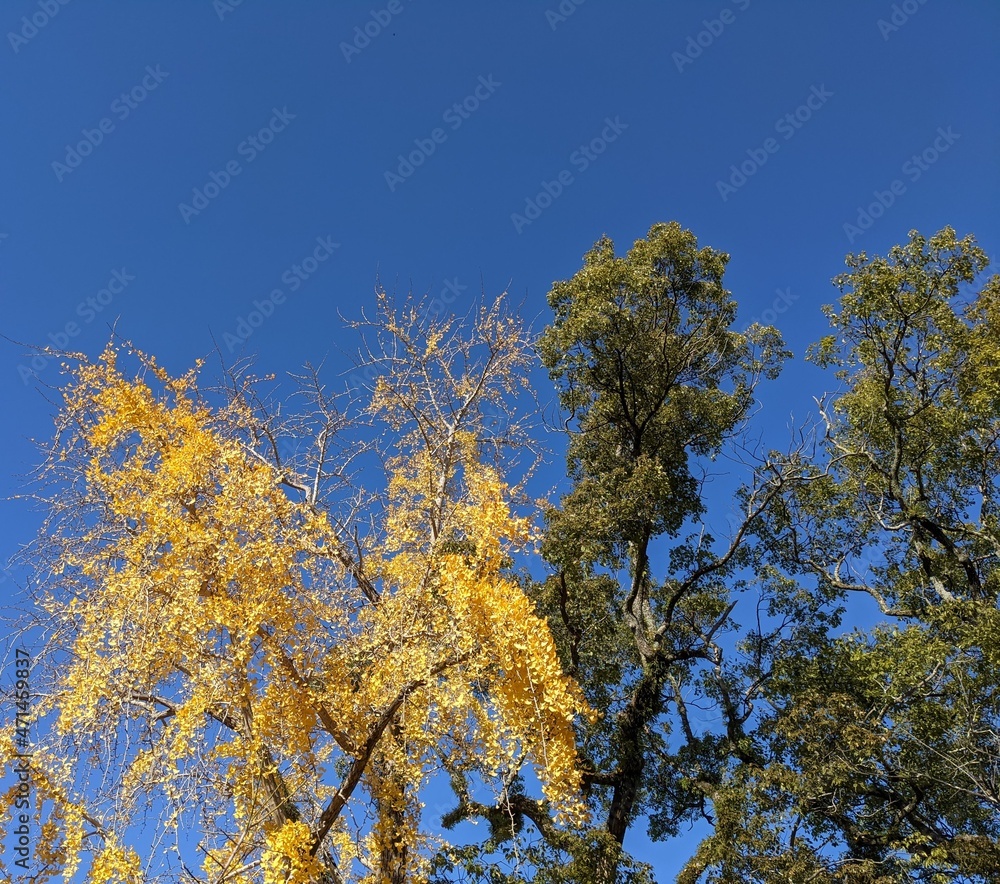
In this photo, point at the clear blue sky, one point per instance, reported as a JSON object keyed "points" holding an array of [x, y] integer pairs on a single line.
{"points": [[534, 132]]}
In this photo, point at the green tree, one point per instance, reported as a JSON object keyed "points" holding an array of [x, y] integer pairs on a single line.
{"points": [[879, 756], [870, 755]]}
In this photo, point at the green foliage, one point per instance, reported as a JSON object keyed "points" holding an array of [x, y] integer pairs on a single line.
{"points": [[882, 747], [650, 372], [655, 383], [865, 757]]}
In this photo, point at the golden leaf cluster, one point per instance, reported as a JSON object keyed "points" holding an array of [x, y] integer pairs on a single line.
{"points": [[225, 657]]}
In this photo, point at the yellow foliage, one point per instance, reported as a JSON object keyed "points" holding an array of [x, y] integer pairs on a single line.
{"points": [[255, 668], [115, 865], [286, 858]]}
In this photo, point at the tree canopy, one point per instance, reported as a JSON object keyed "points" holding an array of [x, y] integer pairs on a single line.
{"points": [[251, 663]]}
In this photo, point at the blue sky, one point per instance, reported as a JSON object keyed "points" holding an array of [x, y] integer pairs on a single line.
{"points": [[164, 166]]}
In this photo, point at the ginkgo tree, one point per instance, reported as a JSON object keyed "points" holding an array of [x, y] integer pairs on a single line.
{"points": [[251, 665]]}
